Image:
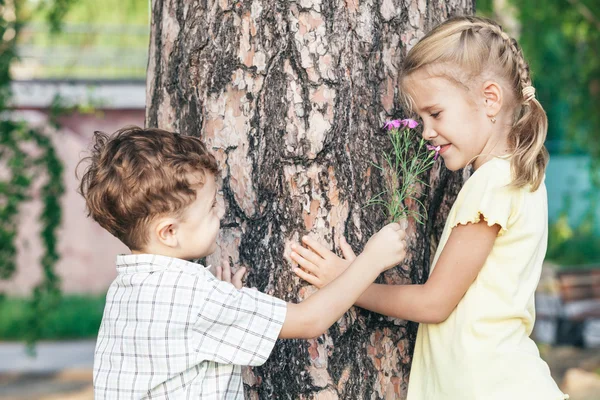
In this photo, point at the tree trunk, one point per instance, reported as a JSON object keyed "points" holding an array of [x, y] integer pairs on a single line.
{"points": [[291, 97]]}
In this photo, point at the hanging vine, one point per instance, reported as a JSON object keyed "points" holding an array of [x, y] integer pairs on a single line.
{"points": [[26, 154]]}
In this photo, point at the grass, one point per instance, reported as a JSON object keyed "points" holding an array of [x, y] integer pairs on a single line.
{"points": [[76, 317]]}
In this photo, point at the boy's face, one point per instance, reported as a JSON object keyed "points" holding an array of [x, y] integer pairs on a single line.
{"points": [[201, 221]]}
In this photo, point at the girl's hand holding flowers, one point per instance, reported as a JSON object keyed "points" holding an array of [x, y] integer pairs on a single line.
{"points": [[402, 170]]}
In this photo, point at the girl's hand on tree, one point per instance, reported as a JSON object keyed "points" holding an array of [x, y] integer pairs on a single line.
{"points": [[318, 264], [223, 273]]}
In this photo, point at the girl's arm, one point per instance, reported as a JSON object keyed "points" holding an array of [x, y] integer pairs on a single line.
{"points": [[313, 316], [461, 260]]}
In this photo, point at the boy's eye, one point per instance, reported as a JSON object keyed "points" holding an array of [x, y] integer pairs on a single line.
{"points": [[214, 204]]}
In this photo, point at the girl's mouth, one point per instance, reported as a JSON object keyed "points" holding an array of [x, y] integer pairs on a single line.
{"points": [[444, 148]]}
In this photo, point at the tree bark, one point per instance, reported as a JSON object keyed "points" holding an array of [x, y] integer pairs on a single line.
{"points": [[291, 97]]}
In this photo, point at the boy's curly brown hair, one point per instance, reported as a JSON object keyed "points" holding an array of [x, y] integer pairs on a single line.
{"points": [[136, 175]]}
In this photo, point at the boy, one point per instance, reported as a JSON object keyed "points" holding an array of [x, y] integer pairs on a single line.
{"points": [[171, 329]]}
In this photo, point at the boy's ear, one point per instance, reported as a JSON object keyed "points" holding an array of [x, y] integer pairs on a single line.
{"points": [[166, 232], [493, 98]]}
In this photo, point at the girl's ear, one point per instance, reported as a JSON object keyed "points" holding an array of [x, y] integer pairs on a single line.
{"points": [[493, 98], [166, 232]]}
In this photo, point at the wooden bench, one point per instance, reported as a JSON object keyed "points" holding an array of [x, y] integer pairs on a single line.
{"points": [[580, 299], [580, 293]]}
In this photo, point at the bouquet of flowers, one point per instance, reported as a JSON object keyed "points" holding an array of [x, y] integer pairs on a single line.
{"points": [[402, 170]]}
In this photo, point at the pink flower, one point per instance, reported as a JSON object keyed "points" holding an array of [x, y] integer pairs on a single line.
{"points": [[436, 149], [397, 123], [393, 124], [411, 123]]}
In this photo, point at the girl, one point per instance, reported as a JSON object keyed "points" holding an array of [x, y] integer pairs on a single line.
{"points": [[469, 83]]}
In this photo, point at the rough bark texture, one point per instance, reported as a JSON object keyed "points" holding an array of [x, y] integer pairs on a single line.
{"points": [[291, 97]]}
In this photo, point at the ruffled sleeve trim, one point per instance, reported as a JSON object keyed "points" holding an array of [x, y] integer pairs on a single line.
{"points": [[486, 194], [477, 218]]}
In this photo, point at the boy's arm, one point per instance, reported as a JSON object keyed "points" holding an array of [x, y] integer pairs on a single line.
{"points": [[461, 260], [316, 314]]}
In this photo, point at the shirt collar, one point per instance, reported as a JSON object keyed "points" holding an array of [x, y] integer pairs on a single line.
{"points": [[133, 263]]}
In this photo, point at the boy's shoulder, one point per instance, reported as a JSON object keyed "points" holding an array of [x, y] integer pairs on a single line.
{"points": [[152, 263], [158, 276], [155, 275]]}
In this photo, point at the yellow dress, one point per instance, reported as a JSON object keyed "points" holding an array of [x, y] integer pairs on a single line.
{"points": [[483, 350]]}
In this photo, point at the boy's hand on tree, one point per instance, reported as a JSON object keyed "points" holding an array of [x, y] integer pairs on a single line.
{"points": [[223, 273], [318, 264]]}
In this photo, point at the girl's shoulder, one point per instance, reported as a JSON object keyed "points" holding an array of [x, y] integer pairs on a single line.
{"points": [[487, 193], [496, 171]]}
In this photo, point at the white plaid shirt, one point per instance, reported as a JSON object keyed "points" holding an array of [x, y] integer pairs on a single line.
{"points": [[171, 330]]}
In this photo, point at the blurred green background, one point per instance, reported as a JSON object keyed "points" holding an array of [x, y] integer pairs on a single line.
{"points": [[561, 42], [71, 39]]}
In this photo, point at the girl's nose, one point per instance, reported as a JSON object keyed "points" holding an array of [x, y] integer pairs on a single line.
{"points": [[428, 133]]}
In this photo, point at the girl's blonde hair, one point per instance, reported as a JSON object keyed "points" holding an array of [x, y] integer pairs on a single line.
{"points": [[477, 46]]}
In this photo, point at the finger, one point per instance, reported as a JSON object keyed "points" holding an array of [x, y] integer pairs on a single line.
{"points": [[226, 272], [219, 273], [304, 263], [317, 247], [402, 244], [213, 270], [238, 277], [403, 223], [313, 280], [394, 226], [308, 254], [402, 234], [347, 251], [402, 258]]}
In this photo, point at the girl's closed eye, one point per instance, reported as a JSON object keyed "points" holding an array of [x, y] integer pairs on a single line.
{"points": [[435, 115]]}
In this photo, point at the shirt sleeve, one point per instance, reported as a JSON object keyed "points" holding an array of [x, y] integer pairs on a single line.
{"points": [[486, 195], [237, 326]]}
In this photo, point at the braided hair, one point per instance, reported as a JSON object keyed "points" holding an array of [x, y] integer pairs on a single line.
{"points": [[467, 47]]}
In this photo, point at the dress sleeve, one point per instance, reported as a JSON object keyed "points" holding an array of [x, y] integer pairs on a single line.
{"points": [[486, 195], [237, 326]]}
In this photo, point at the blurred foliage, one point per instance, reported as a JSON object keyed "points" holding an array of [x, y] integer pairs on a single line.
{"points": [[24, 168], [114, 12], [26, 153], [561, 43], [54, 11], [573, 246], [61, 106], [107, 39], [73, 317]]}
